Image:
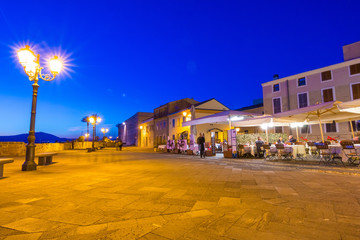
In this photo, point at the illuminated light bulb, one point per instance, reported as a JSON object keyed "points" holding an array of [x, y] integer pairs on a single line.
{"points": [[26, 56], [55, 65]]}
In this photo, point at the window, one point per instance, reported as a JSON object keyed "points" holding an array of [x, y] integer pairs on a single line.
{"points": [[355, 125], [184, 119], [276, 87], [278, 129], [328, 95], [173, 123], [277, 105], [164, 124], [330, 127], [325, 76], [178, 122], [301, 82], [302, 100], [355, 69], [173, 137], [305, 129], [355, 88]]}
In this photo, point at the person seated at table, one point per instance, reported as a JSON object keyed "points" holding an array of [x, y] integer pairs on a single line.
{"points": [[280, 141], [259, 143], [292, 139]]}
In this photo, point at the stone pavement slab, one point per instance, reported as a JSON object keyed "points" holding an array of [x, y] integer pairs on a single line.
{"points": [[143, 195]]}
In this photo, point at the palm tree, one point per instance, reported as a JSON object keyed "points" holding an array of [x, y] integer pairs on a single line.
{"points": [[86, 119]]}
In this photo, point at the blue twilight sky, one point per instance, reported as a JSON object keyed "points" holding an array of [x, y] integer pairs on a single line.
{"points": [[130, 56]]}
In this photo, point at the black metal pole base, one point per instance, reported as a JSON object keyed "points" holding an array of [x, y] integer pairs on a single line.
{"points": [[29, 166]]}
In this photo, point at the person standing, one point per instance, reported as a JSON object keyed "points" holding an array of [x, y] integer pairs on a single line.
{"points": [[259, 143], [202, 145], [120, 145], [200, 141]]}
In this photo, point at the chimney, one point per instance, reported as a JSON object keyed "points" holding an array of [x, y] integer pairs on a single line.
{"points": [[276, 76], [351, 51]]}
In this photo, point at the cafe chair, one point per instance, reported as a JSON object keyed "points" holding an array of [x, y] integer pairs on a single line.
{"points": [[283, 152], [326, 156], [270, 153], [350, 152], [314, 150]]}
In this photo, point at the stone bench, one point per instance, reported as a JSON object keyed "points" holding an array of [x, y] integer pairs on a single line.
{"points": [[45, 158], [2, 162]]}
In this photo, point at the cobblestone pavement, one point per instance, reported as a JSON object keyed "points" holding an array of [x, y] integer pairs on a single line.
{"points": [[144, 195]]}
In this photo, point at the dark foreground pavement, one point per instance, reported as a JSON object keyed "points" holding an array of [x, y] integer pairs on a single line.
{"points": [[140, 195]]}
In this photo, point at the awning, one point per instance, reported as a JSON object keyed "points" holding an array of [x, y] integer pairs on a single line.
{"points": [[221, 118], [350, 106], [328, 112]]}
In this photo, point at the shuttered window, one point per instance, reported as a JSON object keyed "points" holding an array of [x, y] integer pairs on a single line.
{"points": [[328, 95], [277, 105], [278, 129], [305, 129], [355, 69], [303, 100], [356, 91], [356, 125], [330, 127], [325, 76]]}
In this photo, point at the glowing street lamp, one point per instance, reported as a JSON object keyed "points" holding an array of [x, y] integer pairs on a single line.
{"points": [[87, 136], [104, 131], [31, 64], [94, 119]]}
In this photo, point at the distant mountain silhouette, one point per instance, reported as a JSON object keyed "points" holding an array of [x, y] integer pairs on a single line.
{"points": [[40, 137]]}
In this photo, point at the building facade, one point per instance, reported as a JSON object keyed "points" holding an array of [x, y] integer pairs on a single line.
{"points": [[338, 82], [128, 131]]}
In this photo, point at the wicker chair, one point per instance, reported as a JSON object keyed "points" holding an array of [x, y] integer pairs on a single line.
{"points": [[240, 150], [350, 152], [270, 153], [313, 150], [325, 154], [283, 152]]}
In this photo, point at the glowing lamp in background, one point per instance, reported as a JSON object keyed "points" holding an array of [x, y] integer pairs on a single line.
{"points": [[92, 120], [141, 127], [184, 114], [55, 65]]}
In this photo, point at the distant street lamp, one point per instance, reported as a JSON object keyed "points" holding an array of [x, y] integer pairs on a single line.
{"points": [[104, 131], [95, 119], [31, 64], [87, 137]]}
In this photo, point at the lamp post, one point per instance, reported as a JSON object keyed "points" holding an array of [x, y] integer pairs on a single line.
{"points": [[95, 119], [32, 68], [104, 131]]}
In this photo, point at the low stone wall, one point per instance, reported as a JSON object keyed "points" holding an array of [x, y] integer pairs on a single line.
{"points": [[12, 149], [19, 148]]}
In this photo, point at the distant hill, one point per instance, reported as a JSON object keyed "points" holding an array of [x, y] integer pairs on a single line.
{"points": [[40, 137]]}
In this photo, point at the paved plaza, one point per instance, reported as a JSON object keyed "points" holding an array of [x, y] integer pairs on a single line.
{"points": [[145, 195]]}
